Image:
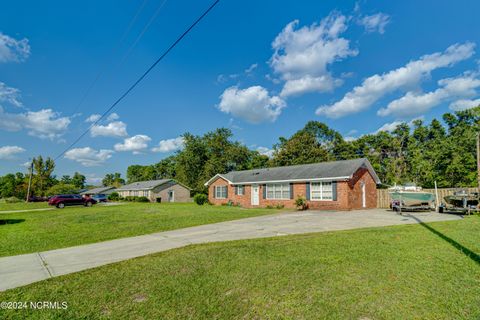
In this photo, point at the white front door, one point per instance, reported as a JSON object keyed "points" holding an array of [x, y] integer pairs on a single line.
{"points": [[364, 200], [171, 196], [255, 195]]}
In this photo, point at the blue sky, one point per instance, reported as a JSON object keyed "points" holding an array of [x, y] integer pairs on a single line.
{"points": [[257, 67]]}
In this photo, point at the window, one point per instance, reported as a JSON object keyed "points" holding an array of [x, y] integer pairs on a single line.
{"points": [[321, 191], [240, 190], [278, 191], [221, 192], [145, 193]]}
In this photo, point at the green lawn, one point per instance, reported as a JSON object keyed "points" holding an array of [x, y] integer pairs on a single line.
{"points": [[401, 272], [27, 232], [22, 206]]}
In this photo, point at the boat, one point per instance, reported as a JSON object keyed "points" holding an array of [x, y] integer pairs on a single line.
{"points": [[411, 197], [461, 201]]}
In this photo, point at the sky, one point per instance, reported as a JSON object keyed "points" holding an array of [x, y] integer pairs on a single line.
{"points": [[261, 68]]}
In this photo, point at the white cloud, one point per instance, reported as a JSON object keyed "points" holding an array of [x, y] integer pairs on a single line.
{"points": [[135, 144], [391, 126], [265, 151], [377, 86], [92, 179], [113, 129], [308, 84], [13, 50], [89, 157], [307, 51], [10, 95], [253, 104], [169, 145], [251, 68], [112, 117], [375, 22], [44, 123], [463, 104], [93, 118], [413, 104], [9, 152]]}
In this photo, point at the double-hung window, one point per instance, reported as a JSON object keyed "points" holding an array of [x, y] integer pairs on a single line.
{"points": [[240, 190], [321, 191], [220, 192], [278, 191]]}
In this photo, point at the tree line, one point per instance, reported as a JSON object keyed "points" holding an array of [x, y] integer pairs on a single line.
{"points": [[442, 150]]}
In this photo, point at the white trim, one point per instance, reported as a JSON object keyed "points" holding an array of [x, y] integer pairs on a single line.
{"points": [[215, 192], [321, 192], [293, 180], [215, 177], [281, 192]]}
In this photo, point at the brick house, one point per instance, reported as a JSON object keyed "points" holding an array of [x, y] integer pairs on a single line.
{"points": [[165, 190], [338, 185]]}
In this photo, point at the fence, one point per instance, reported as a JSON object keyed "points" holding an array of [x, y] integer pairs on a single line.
{"points": [[383, 196]]}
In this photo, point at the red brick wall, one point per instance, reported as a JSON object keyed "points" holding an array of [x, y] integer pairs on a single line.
{"points": [[349, 194]]}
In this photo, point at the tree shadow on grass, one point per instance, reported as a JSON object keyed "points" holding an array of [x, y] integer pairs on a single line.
{"points": [[10, 221], [469, 253]]}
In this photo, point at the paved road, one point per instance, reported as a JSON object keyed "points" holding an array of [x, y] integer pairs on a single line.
{"points": [[20, 270]]}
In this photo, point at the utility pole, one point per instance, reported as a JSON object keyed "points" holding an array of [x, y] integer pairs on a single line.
{"points": [[478, 161], [30, 181]]}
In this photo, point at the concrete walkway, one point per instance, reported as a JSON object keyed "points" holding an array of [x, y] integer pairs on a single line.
{"points": [[26, 210], [20, 270]]}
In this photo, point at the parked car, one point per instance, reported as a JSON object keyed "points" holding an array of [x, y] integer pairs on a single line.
{"points": [[100, 197], [62, 200]]}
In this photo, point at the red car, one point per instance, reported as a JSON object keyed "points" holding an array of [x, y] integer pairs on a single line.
{"points": [[62, 200]]}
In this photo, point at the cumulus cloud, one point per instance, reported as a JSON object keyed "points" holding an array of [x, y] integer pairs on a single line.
{"points": [[265, 151], [377, 86], [135, 144], [112, 117], [251, 68], [463, 104], [391, 126], [44, 123], [89, 157], [93, 118], [412, 103], [253, 104], [13, 50], [9, 152], [10, 95], [375, 22], [307, 51], [112, 129], [169, 145]]}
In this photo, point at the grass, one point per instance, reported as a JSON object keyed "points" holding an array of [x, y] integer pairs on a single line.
{"points": [[400, 272], [22, 206], [26, 232]]}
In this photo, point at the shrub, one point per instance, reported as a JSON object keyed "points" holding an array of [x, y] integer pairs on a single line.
{"points": [[301, 203], [200, 199], [142, 199], [12, 200], [279, 206], [114, 196], [61, 188]]}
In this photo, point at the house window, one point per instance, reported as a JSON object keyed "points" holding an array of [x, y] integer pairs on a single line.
{"points": [[221, 192], [240, 190], [279, 191], [321, 191], [145, 193]]}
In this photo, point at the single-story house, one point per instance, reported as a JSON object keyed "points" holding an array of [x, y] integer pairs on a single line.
{"points": [[337, 185], [166, 190], [98, 190]]}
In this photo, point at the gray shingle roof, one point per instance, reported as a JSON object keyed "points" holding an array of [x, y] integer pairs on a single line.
{"points": [[324, 170], [143, 185], [99, 190]]}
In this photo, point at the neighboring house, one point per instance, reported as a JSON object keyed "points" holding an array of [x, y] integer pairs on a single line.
{"points": [[99, 190], [165, 190], [338, 185]]}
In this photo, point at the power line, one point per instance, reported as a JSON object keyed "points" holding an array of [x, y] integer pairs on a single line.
{"points": [[114, 50], [173, 45]]}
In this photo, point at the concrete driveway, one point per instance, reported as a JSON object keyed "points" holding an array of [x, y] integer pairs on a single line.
{"points": [[24, 269]]}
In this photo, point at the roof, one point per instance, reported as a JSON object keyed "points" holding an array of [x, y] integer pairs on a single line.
{"points": [[98, 190], [335, 170], [144, 185]]}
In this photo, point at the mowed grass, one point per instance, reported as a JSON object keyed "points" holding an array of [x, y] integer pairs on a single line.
{"points": [[26, 232], [22, 206], [399, 272]]}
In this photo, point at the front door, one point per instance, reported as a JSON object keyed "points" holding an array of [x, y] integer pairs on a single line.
{"points": [[171, 196], [364, 200], [255, 195]]}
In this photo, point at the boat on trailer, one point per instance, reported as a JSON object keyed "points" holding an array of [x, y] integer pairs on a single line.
{"points": [[411, 198], [461, 201]]}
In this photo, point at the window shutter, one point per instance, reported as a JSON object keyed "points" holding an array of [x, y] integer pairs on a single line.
{"points": [[264, 189], [214, 192], [226, 192], [307, 188], [236, 190], [334, 190], [291, 190]]}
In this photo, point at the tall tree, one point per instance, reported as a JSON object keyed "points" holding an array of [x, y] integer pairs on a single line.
{"points": [[42, 178], [78, 180]]}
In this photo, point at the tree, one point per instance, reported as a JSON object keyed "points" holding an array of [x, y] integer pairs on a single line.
{"points": [[78, 180], [42, 178], [66, 179], [113, 180], [61, 188]]}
